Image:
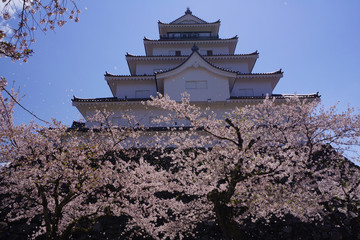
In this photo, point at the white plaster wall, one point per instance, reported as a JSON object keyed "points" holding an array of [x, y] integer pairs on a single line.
{"points": [[148, 68], [233, 66], [144, 114], [260, 87], [90, 113], [128, 88], [216, 50], [217, 86], [186, 49]]}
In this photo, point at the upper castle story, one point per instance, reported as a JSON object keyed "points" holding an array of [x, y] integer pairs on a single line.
{"points": [[176, 38], [189, 26], [175, 43], [190, 48]]}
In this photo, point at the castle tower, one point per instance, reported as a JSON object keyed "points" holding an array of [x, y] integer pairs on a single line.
{"points": [[189, 56]]}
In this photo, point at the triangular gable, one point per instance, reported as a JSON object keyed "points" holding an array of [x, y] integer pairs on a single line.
{"points": [[195, 60], [188, 18]]}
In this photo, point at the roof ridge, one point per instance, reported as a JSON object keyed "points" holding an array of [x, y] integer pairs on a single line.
{"points": [[114, 75], [160, 22], [278, 96], [107, 99], [202, 57], [115, 99], [214, 55], [192, 39], [266, 73], [188, 12]]}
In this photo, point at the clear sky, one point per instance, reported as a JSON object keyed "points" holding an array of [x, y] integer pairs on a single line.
{"points": [[315, 42]]}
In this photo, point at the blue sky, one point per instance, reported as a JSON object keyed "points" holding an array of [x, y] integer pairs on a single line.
{"points": [[316, 43]]}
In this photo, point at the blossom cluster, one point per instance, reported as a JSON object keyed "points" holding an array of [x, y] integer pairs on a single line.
{"points": [[259, 161], [21, 18]]}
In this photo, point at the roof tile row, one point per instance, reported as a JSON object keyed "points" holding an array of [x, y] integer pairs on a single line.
{"points": [[114, 99]]}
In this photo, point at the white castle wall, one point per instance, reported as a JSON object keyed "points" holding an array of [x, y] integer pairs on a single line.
{"points": [[145, 115], [136, 89], [149, 67], [243, 87], [216, 89], [186, 49], [233, 66]]}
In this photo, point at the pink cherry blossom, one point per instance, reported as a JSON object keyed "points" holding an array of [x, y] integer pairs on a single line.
{"points": [[260, 160]]}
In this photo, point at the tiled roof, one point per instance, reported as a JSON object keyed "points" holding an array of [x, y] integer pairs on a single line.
{"points": [[220, 68], [187, 40], [276, 96], [185, 56], [172, 128], [279, 96], [176, 24], [190, 13], [269, 73], [82, 128], [202, 58], [109, 99], [173, 22], [113, 75]]}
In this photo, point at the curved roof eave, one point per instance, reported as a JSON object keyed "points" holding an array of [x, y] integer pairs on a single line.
{"points": [[278, 73], [118, 77], [107, 100], [146, 40], [253, 54], [277, 97], [181, 24], [203, 59], [188, 12]]}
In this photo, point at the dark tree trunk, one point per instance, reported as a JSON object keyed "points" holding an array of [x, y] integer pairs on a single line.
{"points": [[224, 216]]}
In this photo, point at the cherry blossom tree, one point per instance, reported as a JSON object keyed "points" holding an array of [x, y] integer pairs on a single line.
{"points": [[21, 18], [63, 176], [262, 160], [259, 161], [269, 159]]}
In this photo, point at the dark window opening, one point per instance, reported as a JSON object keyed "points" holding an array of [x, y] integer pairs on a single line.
{"points": [[209, 52], [177, 53], [182, 35]]}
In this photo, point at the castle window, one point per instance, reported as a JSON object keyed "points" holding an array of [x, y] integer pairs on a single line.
{"points": [[205, 34], [206, 52], [174, 52], [196, 84]]}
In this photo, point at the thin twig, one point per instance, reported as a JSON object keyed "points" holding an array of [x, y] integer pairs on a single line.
{"points": [[25, 107]]}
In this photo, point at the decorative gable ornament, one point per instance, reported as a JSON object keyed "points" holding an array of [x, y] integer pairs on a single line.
{"points": [[188, 18]]}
